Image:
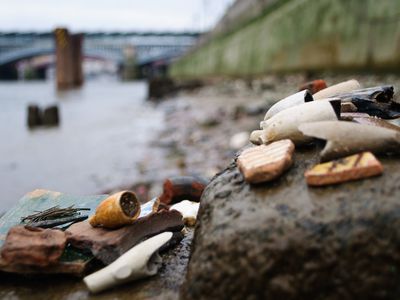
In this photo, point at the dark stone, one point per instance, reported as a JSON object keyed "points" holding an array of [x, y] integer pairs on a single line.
{"points": [[284, 240], [160, 88], [51, 116], [34, 116]]}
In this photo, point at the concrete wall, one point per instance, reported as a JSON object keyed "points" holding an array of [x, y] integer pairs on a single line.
{"points": [[303, 35]]}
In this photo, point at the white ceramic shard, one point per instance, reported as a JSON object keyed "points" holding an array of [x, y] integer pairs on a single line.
{"points": [[290, 101], [139, 262], [342, 87], [346, 138], [188, 209], [284, 125], [149, 207]]}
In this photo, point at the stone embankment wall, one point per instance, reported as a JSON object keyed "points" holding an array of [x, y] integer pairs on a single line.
{"points": [[293, 35]]}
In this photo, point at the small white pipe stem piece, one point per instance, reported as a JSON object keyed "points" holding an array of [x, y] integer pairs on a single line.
{"points": [[290, 101], [284, 125], [342, 87], [140, 261], [188, 209]]}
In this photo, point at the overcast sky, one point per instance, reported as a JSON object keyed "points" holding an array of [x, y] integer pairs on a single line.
{"points": [[91, 15]]}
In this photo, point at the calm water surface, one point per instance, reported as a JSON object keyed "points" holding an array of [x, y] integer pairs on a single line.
{"points": [[105, 127]]}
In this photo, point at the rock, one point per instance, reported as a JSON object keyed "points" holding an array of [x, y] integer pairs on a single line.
{"points": [[281, 240], [33, 246], [108, 245], [51, 116], [160, 87], [239, 140], [34, 116]]}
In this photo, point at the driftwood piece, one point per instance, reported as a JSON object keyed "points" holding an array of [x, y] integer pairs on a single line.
{"points": [[107, 245], [33, 246]]}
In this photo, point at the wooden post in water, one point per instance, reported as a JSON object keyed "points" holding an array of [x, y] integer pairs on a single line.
{"points": [[68, 59]]}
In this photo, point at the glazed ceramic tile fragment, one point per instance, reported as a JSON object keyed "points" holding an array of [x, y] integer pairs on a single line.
{"points": [[266, 162], [358, 166]]}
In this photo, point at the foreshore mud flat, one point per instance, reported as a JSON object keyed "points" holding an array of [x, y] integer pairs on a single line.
{"points": [[195, 139]]}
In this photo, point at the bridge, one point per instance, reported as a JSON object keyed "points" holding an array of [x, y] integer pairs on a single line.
{"points": [[148, 46]]}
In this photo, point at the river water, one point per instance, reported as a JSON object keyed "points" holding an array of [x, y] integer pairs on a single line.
{"points": [[104, 131]]}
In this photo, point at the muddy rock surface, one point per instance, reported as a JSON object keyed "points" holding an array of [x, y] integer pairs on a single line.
{"points": [[284, 240]]}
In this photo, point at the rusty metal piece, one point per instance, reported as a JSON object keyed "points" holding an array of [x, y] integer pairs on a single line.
{"points": [[176, 189], [385, 110], [354, 167], [314, 86], [381, 94], [346, 138]]}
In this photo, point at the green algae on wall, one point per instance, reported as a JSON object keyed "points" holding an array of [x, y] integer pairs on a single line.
{"points": [[303, 35]]}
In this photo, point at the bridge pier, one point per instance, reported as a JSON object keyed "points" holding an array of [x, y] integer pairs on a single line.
{"points": [[68, 59]]}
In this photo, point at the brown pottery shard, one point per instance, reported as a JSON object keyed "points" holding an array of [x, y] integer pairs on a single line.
{"points": [[107, 245], [314, 86], [180, 188], [265, 163], [358, 166], [33, 246]]}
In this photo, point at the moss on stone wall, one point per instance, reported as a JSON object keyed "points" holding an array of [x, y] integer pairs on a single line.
{"points": [[303, 35]]}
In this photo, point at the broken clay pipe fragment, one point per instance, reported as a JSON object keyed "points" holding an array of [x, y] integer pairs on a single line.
{"points": [[314, 86], [255, 137], [377, 109], [340, 88], [349, 116], [290, 101], [346, 138], [354, 167], [32, 246], [176, 189], [265, 163], [284, 125], [140, 261], [381, 94], [376, 122], [188, 210], [117, 210]]}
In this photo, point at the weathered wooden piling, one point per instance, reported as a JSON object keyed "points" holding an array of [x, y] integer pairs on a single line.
{"points": [[68, 59], [34, 116], [51, 116]]}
